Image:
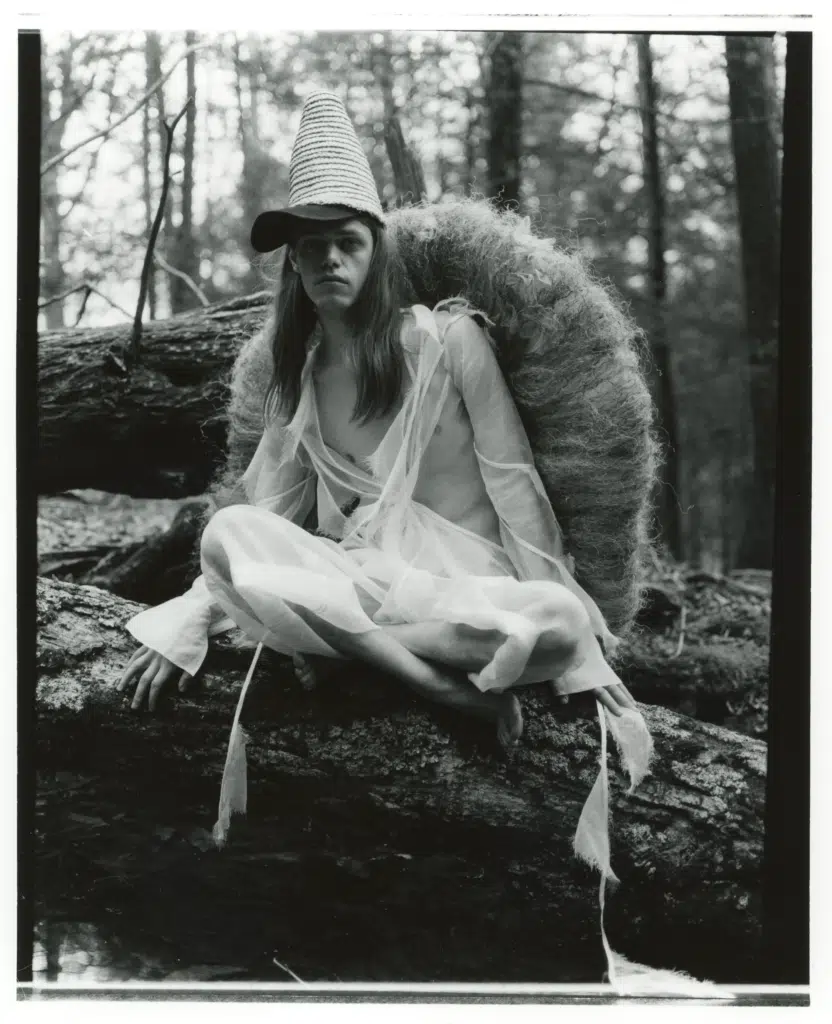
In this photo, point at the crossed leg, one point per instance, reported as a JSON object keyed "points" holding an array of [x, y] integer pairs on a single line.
{"points": [[440, 683], [567, 651], [430, 657]]}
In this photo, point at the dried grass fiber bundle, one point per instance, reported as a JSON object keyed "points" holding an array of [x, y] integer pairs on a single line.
{"points": [[572, 358]]}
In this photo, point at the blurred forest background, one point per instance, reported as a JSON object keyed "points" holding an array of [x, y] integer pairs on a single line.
{"points": [[657, 157]]}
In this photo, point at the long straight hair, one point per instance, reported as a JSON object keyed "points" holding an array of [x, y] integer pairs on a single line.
{"points": [[376, 318]]}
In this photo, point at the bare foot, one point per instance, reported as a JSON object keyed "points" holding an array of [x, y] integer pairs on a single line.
{"points": [[509, 719], [311, 669]]}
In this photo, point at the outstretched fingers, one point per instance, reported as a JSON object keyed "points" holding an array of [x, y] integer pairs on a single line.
{"points": [[616, 698], [608, 701], [163, 673], [623, 696], [137, 663], [145, 679]]}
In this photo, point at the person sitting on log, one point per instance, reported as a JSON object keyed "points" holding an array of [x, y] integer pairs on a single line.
{"points": [[436, 554], [438, 557]]}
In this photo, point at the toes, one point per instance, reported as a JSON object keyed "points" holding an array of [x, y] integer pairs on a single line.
{"points": [[304, 673]]}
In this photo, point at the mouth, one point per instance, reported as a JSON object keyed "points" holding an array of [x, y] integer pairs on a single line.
{"points": [[331, 280]]}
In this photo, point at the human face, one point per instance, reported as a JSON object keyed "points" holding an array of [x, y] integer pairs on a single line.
{"points": [[333, 264]]}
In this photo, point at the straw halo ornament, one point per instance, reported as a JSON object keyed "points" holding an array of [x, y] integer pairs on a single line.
{"points": [[329, 175]]}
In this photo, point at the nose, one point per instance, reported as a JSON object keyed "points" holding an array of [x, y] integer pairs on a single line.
{"points": [[331, 255]]}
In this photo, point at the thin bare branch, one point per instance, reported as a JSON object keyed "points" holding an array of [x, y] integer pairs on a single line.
{"points": [[87, 292], [84, 286], [154, 231], [136, 106], [588, 94], [75, 199], [61, 297], [189, 281], [115, 305]]}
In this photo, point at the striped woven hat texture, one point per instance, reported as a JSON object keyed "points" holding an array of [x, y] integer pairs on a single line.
{"points": [[328, 165]]}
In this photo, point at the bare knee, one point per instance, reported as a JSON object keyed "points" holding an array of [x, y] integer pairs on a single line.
{"points": [[569, 620], [212, 546]]}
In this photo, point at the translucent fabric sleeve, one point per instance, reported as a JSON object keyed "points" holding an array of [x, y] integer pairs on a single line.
{"points": [[280, 477], [529, 531], [277, 479]]}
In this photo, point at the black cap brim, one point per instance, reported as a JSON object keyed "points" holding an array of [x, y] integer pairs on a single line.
{"points": [[280, 227]]}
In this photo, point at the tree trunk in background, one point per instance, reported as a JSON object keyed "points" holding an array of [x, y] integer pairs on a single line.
{"points": [[53, 279], [186, 257], [693, 547], [443, 165], [668, 503], [407, 171], [408, 176], [471, 130], [251, 179], [147, 178], [505, 116], [157, 102], [753, 105]]}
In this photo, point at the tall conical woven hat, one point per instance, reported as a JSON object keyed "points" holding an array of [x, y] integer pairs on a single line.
{"points": [[329, 176]]}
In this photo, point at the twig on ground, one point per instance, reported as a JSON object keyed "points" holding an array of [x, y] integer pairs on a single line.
{"points": [[288, 970], [136, 334], [136, 106], [189, 281]]}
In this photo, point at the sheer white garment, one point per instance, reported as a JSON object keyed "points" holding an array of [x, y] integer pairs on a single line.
{"points": [[390, 558], [387, 557]]}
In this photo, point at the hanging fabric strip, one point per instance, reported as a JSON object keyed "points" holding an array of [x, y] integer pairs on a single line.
{"points": [[592, 844], [234, 788]]}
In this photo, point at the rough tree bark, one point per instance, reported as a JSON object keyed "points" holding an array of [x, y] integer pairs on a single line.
{"points": [[360, 753], [668, 498], [159, 431], [753, 102]]}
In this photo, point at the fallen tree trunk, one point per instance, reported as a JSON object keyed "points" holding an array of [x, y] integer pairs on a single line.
{"points": [[712, 680], [158, 430], [360, 761]]}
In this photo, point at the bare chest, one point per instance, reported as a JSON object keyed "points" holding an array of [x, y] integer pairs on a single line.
{"points": [[336, 392]]}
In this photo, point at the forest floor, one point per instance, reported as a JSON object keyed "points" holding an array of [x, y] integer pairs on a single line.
{"points": [[85, 520]]}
